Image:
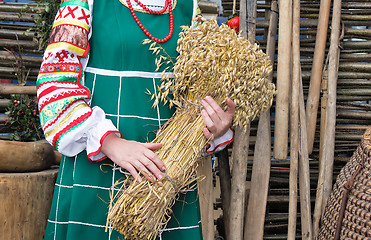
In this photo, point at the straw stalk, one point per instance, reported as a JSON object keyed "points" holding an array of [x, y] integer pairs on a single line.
{"points": [[213, 61]]}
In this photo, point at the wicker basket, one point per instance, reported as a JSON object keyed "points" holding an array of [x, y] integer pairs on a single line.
{"points": [[348, 210]]}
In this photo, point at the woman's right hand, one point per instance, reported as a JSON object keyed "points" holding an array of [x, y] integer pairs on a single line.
{"points": [[134, 156]]}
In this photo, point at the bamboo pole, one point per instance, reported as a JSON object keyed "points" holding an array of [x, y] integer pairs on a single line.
{"points": [[283, 81], [294, 122], [331, 104], [240, 155], [254, 223], [321, 175], [315, 80]]}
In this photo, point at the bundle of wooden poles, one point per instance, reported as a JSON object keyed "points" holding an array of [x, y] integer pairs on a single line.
{"points": [[213, 61], [303, 30]]}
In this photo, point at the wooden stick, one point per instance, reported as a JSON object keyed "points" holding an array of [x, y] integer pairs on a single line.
{"points": [[206, 198], [18, 18], [208, 7], [358, 32], [351, 91], [315, 80], [283, 81], [225, 186], [240, 155], [251, 20], [13, 34], [16, 7], [294, 122], [254, 223], [304, 173], [354, 114], [341, 75], [355, 67], [331, 104], [31, 46], [15, 89], [238, 183], [321, 175]]}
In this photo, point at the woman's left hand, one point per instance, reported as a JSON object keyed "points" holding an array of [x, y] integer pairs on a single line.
{"points": [[217, 121]]}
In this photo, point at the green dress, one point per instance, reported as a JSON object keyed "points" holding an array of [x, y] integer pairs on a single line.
{"points": [[119, 71]]}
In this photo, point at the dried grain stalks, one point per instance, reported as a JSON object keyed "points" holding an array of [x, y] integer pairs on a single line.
{"points": [[213, 61]]}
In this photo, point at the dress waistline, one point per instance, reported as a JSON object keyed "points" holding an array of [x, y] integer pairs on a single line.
{"points": [[116, 73]]}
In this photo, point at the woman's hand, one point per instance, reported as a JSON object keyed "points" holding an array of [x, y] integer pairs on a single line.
{"points": [[134, 156], [217, 121]]}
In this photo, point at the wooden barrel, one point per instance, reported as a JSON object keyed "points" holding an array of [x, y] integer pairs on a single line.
{"points": [[25, 204]]}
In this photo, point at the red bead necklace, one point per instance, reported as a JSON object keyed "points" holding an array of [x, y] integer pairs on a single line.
{"points": [[167, 6], [152, 11]]}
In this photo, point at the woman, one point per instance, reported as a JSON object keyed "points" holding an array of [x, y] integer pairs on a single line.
{"points": [[96, 58]]}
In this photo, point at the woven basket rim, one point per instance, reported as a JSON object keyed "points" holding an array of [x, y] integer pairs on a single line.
{"points": [[357, 200], [367, 135]]}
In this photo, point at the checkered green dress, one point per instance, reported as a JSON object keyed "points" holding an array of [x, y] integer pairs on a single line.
{"points": [[119, 71]]}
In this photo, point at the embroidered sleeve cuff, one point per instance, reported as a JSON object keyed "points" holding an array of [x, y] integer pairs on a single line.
{"points": [[97, 135], [220, 143]]}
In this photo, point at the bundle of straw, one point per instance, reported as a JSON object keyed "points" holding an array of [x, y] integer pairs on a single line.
{"points": [[213, 61]]}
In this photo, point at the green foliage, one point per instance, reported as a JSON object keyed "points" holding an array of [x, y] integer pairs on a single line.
{"points": [[23, 119], [46, 9]]}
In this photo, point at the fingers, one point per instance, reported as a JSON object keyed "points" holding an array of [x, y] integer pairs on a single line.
{"points": [[210, 123], [142, 165], [208, 134], [153, 146], [212, 108], [217, 121], [231, 110], [144, 170], [131, 170], [153, 157], [152, 165], [138, 158]]}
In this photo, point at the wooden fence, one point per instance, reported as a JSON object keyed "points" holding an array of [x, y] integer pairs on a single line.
{"points": [[353, 108]]}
